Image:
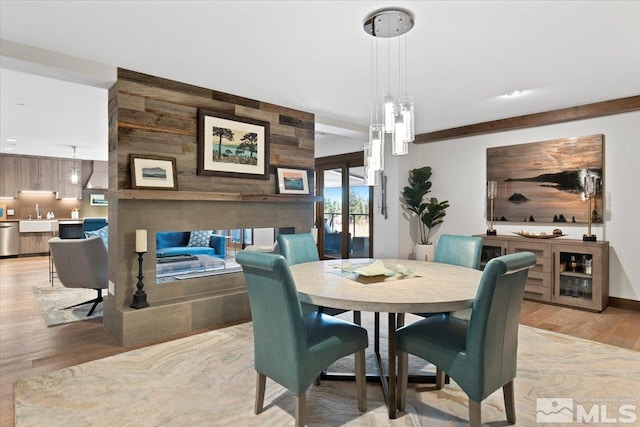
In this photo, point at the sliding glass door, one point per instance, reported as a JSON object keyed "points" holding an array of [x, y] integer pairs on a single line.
{"points": [[344, 217]]}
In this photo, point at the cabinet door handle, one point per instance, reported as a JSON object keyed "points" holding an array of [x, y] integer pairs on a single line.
{"points": [[553, 272]]}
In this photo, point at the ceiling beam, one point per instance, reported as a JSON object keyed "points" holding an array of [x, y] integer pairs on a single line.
{"points": [[41, 62], [580, 112]]}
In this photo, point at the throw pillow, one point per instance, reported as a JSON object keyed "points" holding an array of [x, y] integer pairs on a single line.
{"points": [[200, 238], [101, 232]]}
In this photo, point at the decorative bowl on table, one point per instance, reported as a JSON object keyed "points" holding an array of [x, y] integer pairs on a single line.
{"points": [[376, 268], [542, 235]]}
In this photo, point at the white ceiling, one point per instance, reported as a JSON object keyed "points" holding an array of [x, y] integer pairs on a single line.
{"points": [[308, 55]]}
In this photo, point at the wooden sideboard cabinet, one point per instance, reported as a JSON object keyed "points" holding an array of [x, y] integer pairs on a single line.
{"points": [[568, 272]]}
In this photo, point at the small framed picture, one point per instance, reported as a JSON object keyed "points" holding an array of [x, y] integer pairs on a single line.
{"points": [[98, 200], [293, 181], [153, 172]]}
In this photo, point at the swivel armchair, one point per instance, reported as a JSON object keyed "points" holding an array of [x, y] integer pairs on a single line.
{"points": [[81, 263]]}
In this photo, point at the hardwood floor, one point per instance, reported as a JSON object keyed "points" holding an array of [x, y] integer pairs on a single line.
{"points": [[28, 347]]}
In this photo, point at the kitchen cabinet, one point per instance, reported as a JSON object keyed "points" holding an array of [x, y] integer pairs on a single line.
{"points": [[36, 174], [9, 173], [553, 279], [35, 242], [31, 173]]}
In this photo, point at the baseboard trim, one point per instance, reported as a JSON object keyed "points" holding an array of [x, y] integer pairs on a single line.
{"points": [[628, 304]]}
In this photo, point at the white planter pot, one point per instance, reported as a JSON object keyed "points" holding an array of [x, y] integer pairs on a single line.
{"points": [[424, 252]]}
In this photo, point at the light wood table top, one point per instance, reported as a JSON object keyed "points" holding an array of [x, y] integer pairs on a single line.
{"points": [[432, 288]]}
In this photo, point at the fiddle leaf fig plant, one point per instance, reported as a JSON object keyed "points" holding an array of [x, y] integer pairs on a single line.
{"points": [[430, 211], [434, 214]]}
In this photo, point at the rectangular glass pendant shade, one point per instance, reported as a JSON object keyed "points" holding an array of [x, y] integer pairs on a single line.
{"points": [[376, 147], [405, 104], [389, 111]]}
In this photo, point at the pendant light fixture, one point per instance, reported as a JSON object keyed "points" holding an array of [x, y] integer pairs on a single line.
{"points": [[398, 123], [74, 169]]}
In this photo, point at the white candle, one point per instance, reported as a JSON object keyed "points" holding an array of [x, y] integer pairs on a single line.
{"points": [[141, 240]]}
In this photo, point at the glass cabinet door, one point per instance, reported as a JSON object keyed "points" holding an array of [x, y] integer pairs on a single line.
{"points": [[492, 248], [577, 276]]}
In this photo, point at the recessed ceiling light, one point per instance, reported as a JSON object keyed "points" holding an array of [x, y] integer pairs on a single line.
{"points": [[11, 140], [8, 148], [513, 93]]}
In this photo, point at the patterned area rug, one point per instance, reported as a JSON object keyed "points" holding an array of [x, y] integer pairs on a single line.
{"points": [[52, 300], [209, 380]]}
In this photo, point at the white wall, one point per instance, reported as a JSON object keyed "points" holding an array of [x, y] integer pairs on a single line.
{"points": [[459, 175], [331, 145]]}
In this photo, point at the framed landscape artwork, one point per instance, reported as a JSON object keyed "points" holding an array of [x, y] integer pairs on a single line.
{"points": [[547, 181], [153, 172], [293, 181], [232, 146], [98, 200]]}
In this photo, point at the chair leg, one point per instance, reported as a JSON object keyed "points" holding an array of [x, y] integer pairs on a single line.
{"points": [[361, 381], [439, 378], [509, 401], [95, 302], [403, 378], [301, 408], [475, 419], [261, 381]]}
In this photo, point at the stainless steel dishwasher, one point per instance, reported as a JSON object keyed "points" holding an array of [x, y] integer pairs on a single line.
{"points": [[9, 239]]}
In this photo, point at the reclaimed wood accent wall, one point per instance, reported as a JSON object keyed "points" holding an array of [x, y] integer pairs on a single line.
{"points": [[154, 116], [157, 115]]}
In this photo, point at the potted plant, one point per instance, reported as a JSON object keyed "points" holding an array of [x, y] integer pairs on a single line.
{"points": [[430, 211]]}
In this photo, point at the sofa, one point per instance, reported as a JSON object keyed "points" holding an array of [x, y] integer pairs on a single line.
{"points": [[200, 242]]}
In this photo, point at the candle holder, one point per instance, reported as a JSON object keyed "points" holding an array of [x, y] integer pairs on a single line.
{"points": [[589, 237], [140, 297], [589, 192], [492, 190]]}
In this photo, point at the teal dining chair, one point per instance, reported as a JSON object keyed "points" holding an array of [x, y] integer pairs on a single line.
{"points": [[480, 355], [463, 251], [459, 250], [299, 248], [291, 347]]}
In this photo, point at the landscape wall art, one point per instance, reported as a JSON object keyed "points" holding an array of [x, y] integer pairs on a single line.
{"points": [[545, 182]]}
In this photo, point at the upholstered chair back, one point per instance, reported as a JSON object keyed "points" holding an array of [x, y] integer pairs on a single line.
{"points": [[298, 248], [459, 250]]}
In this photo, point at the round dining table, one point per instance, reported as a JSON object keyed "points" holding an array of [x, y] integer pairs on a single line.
{"points": [[407, 287]]}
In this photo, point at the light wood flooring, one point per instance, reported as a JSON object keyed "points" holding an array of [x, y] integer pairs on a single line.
{"points": [[28, 347]]}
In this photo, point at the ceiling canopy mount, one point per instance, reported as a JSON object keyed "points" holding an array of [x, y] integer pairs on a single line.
{"points": [[388, 23]]}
